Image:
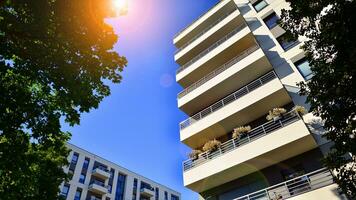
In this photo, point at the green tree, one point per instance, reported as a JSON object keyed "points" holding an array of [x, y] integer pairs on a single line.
{"points": [[56, 59], [330, 29]]}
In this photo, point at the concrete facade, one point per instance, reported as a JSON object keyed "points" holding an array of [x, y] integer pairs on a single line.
{"points": [[235, 67], [101, 180]]}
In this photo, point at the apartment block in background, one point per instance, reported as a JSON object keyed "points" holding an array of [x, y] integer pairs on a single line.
{"points": [[235, 67], [94, 178]]}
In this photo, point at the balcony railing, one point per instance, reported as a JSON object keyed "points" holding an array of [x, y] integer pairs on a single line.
{"points": [[302, 184], [229, 99], [206, 30], [252, 135], [218, 71], [176, 35], [212, 47], [98, 183]]}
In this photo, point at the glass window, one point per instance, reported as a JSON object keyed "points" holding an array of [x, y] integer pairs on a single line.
{"points": [[120, 187], [285, 43], [75, 157], [65, 190], [174, 197], [82, 178], [259, 5], [304, 68], [134, 191], [86, 163], [157, 194], [271, 20], [165, 195], [78, 194]]}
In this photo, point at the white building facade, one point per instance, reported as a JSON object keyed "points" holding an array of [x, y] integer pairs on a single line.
{"points": [[94, 178], [235, 67]]}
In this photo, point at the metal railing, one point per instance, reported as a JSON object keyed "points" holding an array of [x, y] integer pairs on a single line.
{"points": [[206, 29], [229, 99], [98, 183], [296, 186], [212, 47], [251, 136], [219, 70], [197, 19]]}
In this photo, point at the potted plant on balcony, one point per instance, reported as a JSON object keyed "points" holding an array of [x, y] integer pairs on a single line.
{"points": [[240, 132], [211, 146], [276, 114], [194, 154], [300, 110]]}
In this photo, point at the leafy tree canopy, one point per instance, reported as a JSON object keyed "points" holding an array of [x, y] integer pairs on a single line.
{"points": [[54, 58], [330, 29]]}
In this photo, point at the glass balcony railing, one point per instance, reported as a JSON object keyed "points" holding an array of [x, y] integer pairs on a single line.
{"points": [[212, 47], [252, 135], [229, 99], [218, 71], [205, 30], [296, 186]]}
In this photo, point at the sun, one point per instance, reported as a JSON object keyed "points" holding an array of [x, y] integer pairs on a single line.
{"points": [[121, 6]]}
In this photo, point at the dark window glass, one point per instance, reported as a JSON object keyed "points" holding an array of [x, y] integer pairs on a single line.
{"points": [[78, 194], [157, 194], [82, 178], [86, 163], [271, 20], [134, 190], [282, 40], [259, 5], [65, 190], [75, 157], [304, 68], [120, 187], [174, 197], [165, 195]]}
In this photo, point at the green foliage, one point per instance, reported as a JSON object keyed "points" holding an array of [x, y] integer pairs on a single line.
{"points": [[54, 58], [330, 29]]}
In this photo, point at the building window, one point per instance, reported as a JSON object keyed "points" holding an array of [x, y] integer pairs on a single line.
{"points": [[86, 163], [75, 157], [271, 20], [157, 194], [165, 195], [82, 178], [304, 68], [78, 194], [134, 191], [285, 43], [65, 190], [174, 197], [120, 187], [259, 5]]}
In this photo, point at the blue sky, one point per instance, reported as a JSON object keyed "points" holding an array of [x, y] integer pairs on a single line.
{"points": [[137, 126]]}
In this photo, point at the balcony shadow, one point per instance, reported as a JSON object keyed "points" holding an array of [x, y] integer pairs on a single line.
{"points": [[280, 65], [253, 23], [243, 8]]}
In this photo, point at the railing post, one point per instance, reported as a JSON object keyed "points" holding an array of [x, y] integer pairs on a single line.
{"points": [[263, 128], [233, 143], [280, 122]]}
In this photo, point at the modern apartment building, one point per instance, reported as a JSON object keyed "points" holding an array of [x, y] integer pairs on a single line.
{"points": [[94, 178], [235, 67]]}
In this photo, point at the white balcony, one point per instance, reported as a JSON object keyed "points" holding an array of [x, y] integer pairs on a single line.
{"points": [[98, 188], [241, 107], [247, 65], [203, 22], [315, 185], [147, 192], [218, 53], [272, 142], [207, 37], [101, 173]]}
